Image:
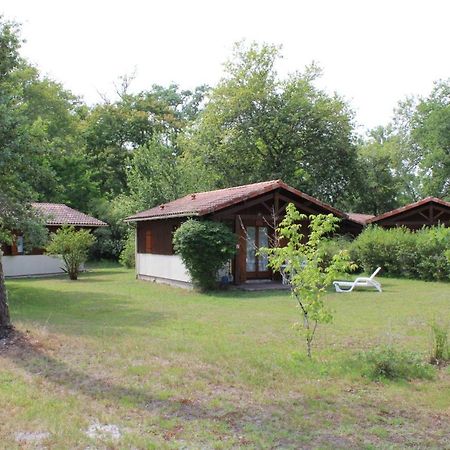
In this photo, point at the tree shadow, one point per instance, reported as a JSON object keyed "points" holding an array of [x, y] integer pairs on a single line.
{"points": [[31, 356], [80, 312]]}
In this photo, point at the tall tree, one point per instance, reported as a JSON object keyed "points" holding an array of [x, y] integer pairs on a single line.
{"points": [[54, 117], [257, 127], [115, 129], [19, 157]]}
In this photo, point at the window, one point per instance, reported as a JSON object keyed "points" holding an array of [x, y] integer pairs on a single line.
{"points": [[19, 245]]}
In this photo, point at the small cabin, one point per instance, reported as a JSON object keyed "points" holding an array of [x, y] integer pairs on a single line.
{"points": [[20, 263], [251, 211]]}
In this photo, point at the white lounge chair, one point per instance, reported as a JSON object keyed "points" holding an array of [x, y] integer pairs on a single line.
{"points": [[348, 286]]}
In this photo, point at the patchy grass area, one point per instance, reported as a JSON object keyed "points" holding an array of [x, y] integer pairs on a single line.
{"points": [[111, 362]]}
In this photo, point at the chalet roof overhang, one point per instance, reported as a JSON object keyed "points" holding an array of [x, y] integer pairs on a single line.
{"points": [[205, 203], [436, 206]]}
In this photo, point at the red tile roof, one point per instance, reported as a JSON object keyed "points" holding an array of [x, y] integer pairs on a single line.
{"points": [[202, 203], [360, 218], [403, 209], [60, 214]]}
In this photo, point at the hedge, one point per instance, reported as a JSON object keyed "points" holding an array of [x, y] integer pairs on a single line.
{"points": [[423, 254]]}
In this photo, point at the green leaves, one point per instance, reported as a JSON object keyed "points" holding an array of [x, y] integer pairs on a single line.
{"points": [[301, 260], [257, 127], [205, 247], [73, 246]]}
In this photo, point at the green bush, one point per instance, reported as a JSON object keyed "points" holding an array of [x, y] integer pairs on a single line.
{"points": [[333, 246], [404, 253], [73, 247], [205, 247], [127, 256], [388, 363]]}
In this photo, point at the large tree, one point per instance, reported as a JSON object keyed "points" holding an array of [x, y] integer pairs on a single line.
{"points": [[55, 119], [115, 129], [257, 126], [20, 160]]}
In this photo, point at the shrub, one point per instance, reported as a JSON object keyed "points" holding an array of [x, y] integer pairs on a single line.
{"points": [[432, 261], [331, 247], [440, 351], [403, 253], [127, 256], [73, 246], [388, 363], [205, 247]]}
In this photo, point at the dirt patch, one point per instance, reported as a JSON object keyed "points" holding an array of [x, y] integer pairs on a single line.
{"points": [[30, 436], [104, 432]]}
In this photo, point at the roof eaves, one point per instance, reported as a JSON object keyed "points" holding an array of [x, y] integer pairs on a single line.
{"points": [[408, 207], [163, 216]]}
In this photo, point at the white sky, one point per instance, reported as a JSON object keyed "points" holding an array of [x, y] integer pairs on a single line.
{"points": [[373, 52]]}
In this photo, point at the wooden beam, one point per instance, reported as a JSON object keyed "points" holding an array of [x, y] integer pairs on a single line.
{"points": [[299, 205]]}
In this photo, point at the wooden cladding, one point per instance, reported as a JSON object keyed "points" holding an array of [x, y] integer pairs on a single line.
{"points": [[155, 236]]}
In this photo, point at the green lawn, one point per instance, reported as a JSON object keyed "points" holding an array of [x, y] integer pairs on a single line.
{"points": [[161, 367]]}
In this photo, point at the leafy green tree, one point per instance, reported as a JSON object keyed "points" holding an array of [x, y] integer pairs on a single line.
{"points": [[73, 247], [257, 127], [204, 247], [301, 261], [430, 134], [54, 118], [20, 161], [410, 158], [379, 186], [115, 129], [154, 174]]}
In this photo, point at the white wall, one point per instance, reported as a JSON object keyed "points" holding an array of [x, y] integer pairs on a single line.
{"points": [[161, 267], [28, 265]]}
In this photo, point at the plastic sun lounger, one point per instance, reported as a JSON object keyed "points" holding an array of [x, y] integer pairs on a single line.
{"points": [[348, 286]]}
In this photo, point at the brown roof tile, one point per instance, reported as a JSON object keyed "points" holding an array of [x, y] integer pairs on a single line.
{"points": [[60, 214], [202, 203], [360, 218]]}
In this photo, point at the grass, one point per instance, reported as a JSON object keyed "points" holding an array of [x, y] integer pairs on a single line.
{"points": [[111, 362]]}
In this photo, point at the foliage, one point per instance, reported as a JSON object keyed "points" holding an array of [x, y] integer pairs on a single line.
{"points": [[332, 246], [379, 189], [404, 253], [303, 264], [154, 175], [257, 127], [386, 362], [110, 240], [408, 159], [20, 157], [115, 129], [73, 246], [440, 351], [204, 247], [128, 255]]}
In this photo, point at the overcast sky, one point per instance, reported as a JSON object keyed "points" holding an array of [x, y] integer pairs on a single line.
{"points": [[374, 53]]}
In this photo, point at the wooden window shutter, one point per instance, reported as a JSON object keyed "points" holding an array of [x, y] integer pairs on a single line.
{"points": [[148, 241]]}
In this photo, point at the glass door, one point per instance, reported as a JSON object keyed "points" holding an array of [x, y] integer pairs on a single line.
{"points": [[256, 265]]}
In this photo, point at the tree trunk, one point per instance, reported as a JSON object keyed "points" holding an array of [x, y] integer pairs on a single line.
{"points": [[5, 321]]}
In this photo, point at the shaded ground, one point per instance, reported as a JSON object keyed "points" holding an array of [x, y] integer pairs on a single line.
{"points": [[111, 362]]}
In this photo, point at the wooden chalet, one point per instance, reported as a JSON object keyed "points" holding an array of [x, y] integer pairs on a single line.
{"points": [[248, 210], [430, 211], [17, 262]]}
